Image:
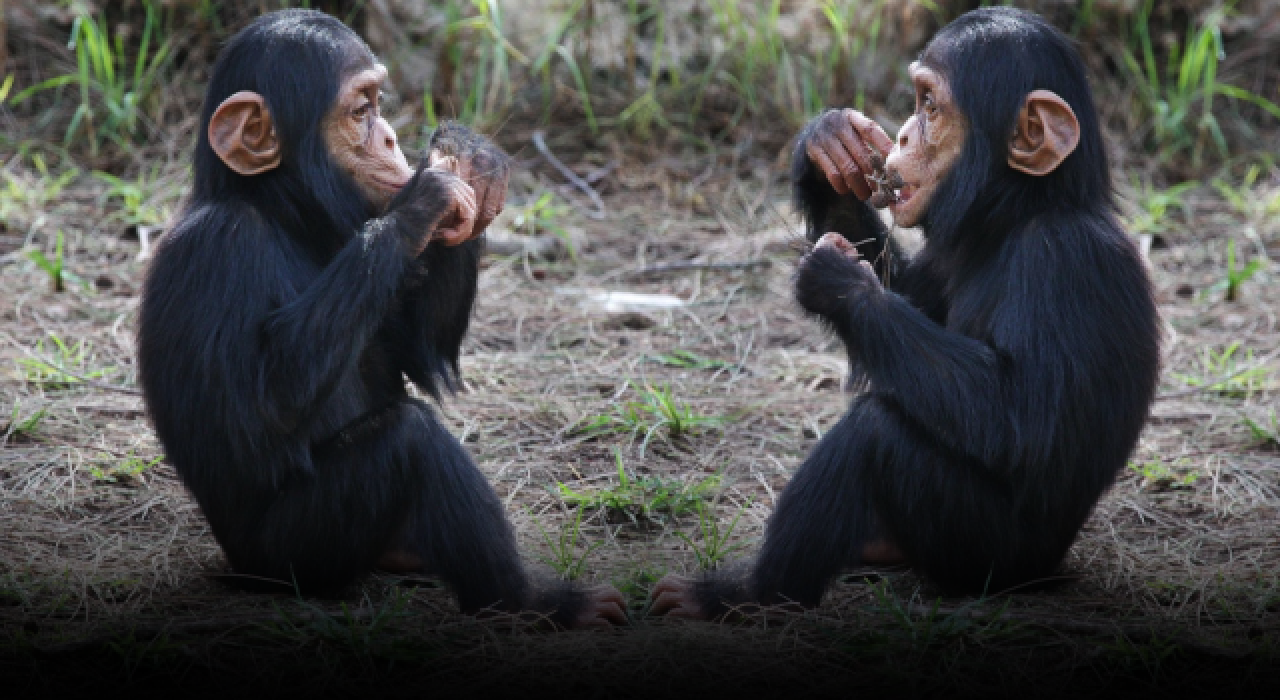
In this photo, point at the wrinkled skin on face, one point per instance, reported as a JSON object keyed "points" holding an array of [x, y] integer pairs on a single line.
{"points": [[363, 146], [849, 149], [929, 143], [362, 143]]}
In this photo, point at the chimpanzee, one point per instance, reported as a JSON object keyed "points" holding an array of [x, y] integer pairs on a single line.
{"points": [[1009, 365], [311, 271]]}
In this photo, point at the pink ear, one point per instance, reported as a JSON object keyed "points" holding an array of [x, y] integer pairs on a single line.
{"points": [[242, 135], [1047, 132]]}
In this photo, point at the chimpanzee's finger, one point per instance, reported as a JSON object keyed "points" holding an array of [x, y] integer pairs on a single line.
{"points": [[607, 594], [850, 173], [614, 612], [666, 603], [464, 168], [671, 583], [870, 132], [459, 222], [467, 211], [853, 176], [838, 242], [854, 143], [819, 157], [448, 164]]}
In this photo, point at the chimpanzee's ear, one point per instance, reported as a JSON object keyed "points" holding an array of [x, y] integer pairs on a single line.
{"points": [[242, 134], [1046, 133]]}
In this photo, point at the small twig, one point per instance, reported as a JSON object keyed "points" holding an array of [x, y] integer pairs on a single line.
{"points": [[685, 266], [571, 176], [601, 172]]}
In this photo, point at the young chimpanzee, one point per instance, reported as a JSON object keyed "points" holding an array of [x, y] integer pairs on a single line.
{"points": [[1009, 365], [310, 272]]}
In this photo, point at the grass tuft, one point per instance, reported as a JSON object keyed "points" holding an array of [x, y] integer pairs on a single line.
{"points": [[657, 409], [714, 547], [634, 497]]}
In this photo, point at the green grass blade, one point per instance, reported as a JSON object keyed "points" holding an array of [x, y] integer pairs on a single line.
{"points": [[140, 62], [1238, 93], [50, 84], [581, 82]]}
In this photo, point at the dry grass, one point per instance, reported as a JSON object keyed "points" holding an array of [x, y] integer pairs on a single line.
{"points": [[104, 567]]}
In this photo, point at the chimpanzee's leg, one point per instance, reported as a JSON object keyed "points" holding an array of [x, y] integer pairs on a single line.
{"points": [[458, 526], [957, 520], [403, 477], [324, 527], [824, 515], [876, 478]]}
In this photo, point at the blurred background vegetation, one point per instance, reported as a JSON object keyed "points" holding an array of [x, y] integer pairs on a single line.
{"points": [[1188, 88]]}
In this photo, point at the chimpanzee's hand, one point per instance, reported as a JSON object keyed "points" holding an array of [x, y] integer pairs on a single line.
{"points": [[831, 275], [849, 149], [458, 223], [674, 596], [434, 205], [604, 607], [477, 161]]}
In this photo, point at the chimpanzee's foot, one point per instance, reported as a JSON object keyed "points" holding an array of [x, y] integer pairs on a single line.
{"points": [[605, 607], [674, 597]]}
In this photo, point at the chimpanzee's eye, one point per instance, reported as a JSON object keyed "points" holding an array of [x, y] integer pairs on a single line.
{"points": [[930, 107]]}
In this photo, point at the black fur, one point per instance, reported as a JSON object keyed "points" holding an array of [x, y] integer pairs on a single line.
{"points": [[278, 320], [1010, 364]]}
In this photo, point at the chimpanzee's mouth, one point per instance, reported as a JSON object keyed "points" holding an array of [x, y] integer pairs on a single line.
{"points": [[905, 193], [886, 184]]}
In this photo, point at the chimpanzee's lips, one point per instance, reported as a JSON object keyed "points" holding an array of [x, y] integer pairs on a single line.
{"points": [[904, 195]]}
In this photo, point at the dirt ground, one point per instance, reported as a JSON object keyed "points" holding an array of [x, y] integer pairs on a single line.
{"points": [[105, 561]]}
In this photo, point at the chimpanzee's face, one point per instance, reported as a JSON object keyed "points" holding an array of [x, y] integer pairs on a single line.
{"points": [[361, 142], [928, 145]]}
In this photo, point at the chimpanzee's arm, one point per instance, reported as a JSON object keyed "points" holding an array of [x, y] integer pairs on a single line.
{"points": [[950, 384], [826, 211], [436, 312], [438, 303], [310, 343]]}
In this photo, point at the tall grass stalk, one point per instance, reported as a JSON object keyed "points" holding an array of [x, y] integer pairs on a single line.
{"points": [[1189, 80], [113, 89]]}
